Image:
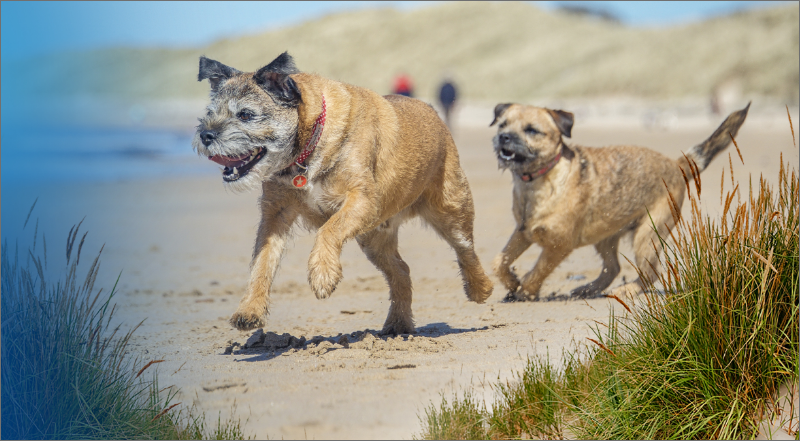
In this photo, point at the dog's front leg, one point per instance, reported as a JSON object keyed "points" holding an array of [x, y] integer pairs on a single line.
{"points": [[547, 262], [501, 265], [356, 215], [273, 232]]}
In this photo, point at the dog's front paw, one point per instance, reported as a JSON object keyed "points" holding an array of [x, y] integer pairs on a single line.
{"points": [[245, 321], [479, 288], [510, 297], [585, 292], [522, 295], [506, 274], [323, 278]]}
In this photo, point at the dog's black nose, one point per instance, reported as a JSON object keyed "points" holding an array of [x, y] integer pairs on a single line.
{"points": [[504, 138], [208, 136]]}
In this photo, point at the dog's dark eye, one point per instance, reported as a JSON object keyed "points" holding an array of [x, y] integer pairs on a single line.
{"points": [[245, 115], [531, 131]]}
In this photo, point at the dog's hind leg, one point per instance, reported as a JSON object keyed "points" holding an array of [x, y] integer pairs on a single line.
{"points": [[646, 245], [501, 264], [453, 222], [608, 250], [380, 246], [276, 224]]}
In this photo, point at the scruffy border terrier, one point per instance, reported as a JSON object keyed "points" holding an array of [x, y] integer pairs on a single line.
{"points": [[342, 160], [569, 196]]}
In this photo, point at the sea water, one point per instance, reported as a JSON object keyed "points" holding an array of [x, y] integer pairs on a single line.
{"points": [[70, 154]]}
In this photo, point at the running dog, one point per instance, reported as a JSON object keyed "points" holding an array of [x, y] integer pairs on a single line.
{"points": [[340, 159], [569, 196]]}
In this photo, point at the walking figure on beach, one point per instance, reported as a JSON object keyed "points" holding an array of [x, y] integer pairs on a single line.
{"points": [[403, 86], [447, 97]]}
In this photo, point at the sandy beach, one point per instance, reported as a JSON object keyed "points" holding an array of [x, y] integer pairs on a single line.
{"points": [[183, 246]]}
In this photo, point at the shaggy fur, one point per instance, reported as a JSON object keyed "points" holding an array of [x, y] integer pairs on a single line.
{"points": [[379, 161], [590, 196]]}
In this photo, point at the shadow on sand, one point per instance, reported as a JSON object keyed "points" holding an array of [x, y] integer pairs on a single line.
{"points": [[265, 346]]}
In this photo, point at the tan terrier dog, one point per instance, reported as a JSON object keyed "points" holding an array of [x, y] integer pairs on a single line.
{"points": [[568, 196], [343, 160]]}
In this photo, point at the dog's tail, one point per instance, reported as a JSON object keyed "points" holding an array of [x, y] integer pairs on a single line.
{"points": [[699, 156]]}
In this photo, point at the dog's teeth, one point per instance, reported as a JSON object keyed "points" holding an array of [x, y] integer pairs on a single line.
{"points": [[236, 172]]}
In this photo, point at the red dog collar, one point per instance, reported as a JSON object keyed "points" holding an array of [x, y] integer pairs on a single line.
{"points": [[300, 180], [531, 176]]}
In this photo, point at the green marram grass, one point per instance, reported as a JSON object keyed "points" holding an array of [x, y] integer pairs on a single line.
{"points": [[702, 359], [66, 374]]}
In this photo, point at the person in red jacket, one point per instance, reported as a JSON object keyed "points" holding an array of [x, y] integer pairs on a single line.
{"points": [[403, 85]]}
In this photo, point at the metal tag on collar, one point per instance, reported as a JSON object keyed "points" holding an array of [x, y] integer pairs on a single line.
{"points": [[300, 180]]}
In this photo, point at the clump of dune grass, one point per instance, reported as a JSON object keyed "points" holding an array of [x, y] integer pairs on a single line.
{"points": [[703, 359], [464, 418], [66, 374]]}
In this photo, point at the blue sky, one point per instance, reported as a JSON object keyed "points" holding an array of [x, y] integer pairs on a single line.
{"points": [[30, 28]]}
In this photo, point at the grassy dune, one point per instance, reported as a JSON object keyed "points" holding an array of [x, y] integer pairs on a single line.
{"points": [[67, 373], [704, 361], [497, 51]]}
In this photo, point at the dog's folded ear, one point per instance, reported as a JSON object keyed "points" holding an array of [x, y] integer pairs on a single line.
{"points": [[215, 72], [563, 120], [280, 87], [498, 110], [284, 64], [274, 79]]}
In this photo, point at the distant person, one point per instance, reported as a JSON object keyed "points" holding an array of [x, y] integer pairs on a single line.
{"points": [[447, 98], [716, 107], [403, 86]]}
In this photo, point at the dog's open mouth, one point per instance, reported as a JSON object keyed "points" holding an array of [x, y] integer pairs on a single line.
{"points": [[238, 166], [508, 155]]}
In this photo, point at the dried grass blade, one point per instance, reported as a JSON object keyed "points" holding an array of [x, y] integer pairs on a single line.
{"points": [[673, 207], [730, 164], [737, 148], [37, 199], [163, 412], [767, 261], [612, 296], [790, 125], [686, 180], [80, 246], [602, 346], [728, 201], [69, 245], [38, 265], [697, 182], [152, 362], [71, 238], [721, 185], [35, 233]]}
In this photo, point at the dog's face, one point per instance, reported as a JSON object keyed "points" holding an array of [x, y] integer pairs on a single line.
{"points": [[528, 137], [250, 125]]}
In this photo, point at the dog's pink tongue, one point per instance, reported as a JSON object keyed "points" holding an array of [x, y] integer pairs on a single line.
{"points": [[228, 161]]}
